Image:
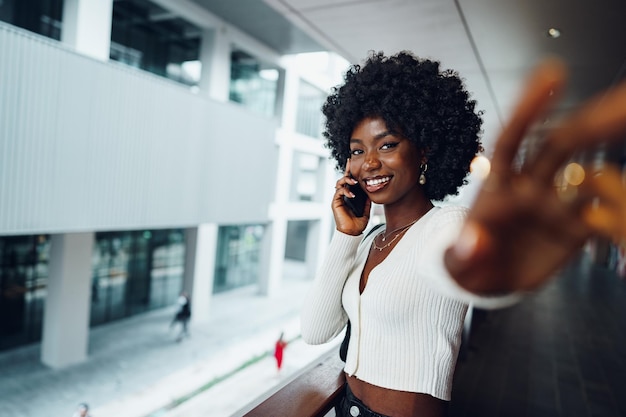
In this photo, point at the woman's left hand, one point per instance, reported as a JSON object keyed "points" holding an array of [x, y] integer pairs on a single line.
{"points": [[522, 227]]}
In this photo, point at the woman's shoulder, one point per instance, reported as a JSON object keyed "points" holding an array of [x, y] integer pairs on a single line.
{"points": [[448, 213]]}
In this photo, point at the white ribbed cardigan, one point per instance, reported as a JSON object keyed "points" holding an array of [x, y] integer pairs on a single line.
{"points": [[407, 324]]}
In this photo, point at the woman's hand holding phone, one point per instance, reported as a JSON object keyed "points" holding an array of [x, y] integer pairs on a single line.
{"points": [[351, 205]]}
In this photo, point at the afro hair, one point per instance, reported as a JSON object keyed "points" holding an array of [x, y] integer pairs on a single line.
{"points": [[414, 97]]}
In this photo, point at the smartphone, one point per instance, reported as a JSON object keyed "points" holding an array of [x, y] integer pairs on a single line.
{"points": [[356, 204]]}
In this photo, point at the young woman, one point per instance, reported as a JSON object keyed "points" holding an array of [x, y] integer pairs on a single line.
{"points": [[406, 133]]}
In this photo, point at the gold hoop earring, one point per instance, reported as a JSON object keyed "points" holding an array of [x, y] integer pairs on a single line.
{"points": [[424, 168]]}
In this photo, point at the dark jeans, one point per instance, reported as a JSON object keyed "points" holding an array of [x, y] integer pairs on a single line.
{"points": [[351, 406]]}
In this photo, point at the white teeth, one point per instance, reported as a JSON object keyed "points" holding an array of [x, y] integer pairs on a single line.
{"points": [[377, 181]]}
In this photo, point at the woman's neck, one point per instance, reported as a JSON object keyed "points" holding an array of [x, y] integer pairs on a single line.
{"points": [[397, 216]]}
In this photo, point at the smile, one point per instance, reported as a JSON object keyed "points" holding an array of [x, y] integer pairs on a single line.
{"points": [[377, 181], [375, 184]]}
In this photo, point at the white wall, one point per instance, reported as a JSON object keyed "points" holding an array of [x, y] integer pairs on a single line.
{"points": [[87, 145]]}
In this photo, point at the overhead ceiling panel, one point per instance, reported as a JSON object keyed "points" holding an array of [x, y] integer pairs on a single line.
{"points": [[264, 23], [492, 43]]}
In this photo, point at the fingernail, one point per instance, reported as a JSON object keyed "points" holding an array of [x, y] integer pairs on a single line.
{"points": [[466, 243]]}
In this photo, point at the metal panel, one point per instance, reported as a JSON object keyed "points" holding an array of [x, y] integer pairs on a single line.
{"points": [[86, 145]]}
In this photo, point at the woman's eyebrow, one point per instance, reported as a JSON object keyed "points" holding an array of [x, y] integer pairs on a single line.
{"points": [[384, 134], [379, 136]]}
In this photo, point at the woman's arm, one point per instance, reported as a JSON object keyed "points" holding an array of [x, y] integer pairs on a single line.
{"points": [[442, 231], [322, 315]]}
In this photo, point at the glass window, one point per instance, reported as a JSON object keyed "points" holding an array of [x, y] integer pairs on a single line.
{"points": [[146, 36], [110, 273], [40, 16], [297, 235], [23, 280], [309, 114], [253, 83], [134, 272], [168, 267], [237, 262], [307, 174]]}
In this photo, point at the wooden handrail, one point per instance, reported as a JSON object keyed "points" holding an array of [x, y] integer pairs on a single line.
{"points": [[312, 394]]}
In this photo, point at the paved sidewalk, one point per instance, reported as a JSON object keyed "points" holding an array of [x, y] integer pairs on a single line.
{"points": [[136, 367], [247, 388]]}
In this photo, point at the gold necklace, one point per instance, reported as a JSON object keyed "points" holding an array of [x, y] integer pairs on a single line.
{"points": [[400, 230]]}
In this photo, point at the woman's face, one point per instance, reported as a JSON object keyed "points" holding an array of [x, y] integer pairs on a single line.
{"points": [[386, 164]]}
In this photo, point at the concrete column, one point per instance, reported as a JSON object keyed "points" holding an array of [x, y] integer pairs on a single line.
{"points": [[200, 253], [290, 100], [275, 236], [215, 58], [327, 221], [66, 314], [312, 248], [87, 27], [272, 257]]}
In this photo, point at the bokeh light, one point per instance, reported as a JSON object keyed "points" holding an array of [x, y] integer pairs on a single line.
{"points": [[574, 174], [480, 166]]}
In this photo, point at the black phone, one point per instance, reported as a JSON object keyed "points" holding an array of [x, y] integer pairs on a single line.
{"points": [[356, 204]]}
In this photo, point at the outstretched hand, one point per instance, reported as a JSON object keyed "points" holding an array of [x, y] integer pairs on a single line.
{"points": [[522, 227]]}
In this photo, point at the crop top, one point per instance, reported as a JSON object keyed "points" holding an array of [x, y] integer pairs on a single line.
{"points": [[406, 325]]}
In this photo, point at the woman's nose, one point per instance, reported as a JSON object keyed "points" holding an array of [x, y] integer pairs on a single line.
{"points": [[370, 162]]}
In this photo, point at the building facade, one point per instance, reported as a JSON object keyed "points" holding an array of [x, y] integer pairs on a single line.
{"points": [[149, 148]]}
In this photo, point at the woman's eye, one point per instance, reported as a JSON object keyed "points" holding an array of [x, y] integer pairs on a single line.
{"points": [[389, 145], [356, 152]]}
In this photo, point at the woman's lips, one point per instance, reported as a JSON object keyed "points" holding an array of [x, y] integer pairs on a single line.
{"points": [[376, 184]]}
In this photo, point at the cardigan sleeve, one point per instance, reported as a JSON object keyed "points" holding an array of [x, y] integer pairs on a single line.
{"points": [[322, 316], [443, 231]]}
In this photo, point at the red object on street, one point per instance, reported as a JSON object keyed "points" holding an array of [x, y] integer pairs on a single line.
{"points": [[278, 351]]}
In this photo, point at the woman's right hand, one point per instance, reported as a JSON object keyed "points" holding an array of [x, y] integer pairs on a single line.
{"points": [[347, 222]]}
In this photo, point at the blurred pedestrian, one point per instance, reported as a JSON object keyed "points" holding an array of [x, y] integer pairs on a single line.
{"points": [[82, 410], [182, 316], [279, 348]]}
